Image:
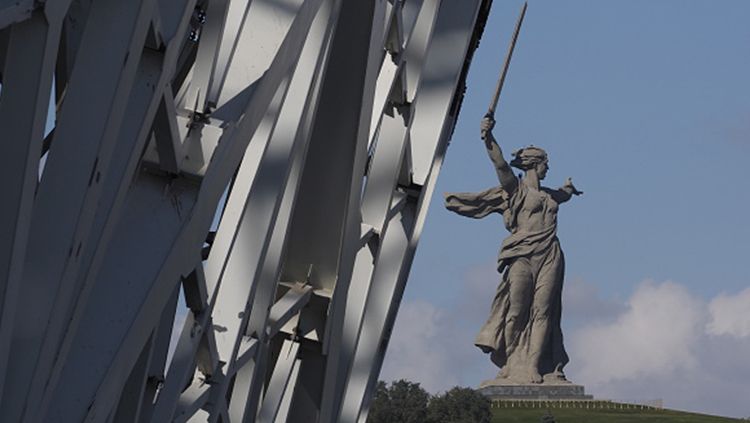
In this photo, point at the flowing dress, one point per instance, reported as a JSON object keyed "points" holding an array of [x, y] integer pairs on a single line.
{"points": [[524, 252]]}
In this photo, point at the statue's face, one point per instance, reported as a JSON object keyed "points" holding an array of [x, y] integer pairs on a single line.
{"points": [[541, 170]]}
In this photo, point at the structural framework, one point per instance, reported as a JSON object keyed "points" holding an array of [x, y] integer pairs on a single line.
{"points": [[210, 207]]}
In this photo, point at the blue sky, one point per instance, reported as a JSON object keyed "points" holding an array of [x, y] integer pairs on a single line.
{"points": [[646, 104]]}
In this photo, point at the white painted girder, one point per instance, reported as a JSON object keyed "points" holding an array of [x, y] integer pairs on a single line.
{"points": [[12, 11], [326, 119], [27, 82]]}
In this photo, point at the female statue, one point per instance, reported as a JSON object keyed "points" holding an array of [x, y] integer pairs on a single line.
{"points": [[522, 334]]}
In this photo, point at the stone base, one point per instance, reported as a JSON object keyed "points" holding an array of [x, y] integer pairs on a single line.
{"points": [[542, 391]]}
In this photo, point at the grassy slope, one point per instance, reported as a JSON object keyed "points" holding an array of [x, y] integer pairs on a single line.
{"points": [[503, 415]]}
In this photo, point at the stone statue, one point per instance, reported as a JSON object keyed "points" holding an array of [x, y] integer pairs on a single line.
{"points": [[522, 334]]}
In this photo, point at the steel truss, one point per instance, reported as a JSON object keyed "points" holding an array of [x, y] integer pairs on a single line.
{"points": [[260, 168]]}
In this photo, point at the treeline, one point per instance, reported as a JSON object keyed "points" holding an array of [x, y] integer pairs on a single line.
{"points": [[407, 402]]}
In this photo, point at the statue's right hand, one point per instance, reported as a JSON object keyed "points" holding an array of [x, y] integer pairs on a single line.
{"points": [[485, 127]]}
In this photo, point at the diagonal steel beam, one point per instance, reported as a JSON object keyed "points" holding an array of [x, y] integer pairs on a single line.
{"points": [[27, 83]]}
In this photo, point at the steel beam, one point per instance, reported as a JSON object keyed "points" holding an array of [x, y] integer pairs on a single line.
{"points": [[14, 11], [271, 158], [27, 81]]}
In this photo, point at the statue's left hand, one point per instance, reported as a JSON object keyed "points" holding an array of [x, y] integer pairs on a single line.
{"points": [[569, 185]]}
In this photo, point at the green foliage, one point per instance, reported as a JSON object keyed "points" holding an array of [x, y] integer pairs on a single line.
{"points": [[459, 405], [407, 402], [573, 415], [402, 402]]}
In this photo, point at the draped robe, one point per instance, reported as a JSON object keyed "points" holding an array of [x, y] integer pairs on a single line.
{"points": [[539, 251]]}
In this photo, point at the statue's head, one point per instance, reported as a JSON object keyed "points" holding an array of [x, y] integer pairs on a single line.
{"points": [[531, 158]]}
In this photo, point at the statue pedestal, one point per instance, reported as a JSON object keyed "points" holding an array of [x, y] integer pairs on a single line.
{"points": [[499, 389]]}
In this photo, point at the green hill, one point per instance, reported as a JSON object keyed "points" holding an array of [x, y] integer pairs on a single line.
{"points": [[534, 415]]}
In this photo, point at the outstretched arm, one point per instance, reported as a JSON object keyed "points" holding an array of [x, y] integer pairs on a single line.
{"points": [[504, 172], [565, 192]]}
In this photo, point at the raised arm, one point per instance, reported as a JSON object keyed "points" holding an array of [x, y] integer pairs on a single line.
{"points": [[504, 172]]}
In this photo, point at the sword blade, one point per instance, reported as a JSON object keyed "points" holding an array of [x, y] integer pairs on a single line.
{"points": [[508, 56]]}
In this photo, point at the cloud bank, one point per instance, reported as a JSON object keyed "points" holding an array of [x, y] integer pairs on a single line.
{"points": [[434, 345], [653, 336], [662, 342]]}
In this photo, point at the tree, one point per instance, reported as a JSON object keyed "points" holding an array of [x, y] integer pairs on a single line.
{"points": [[459, 405], [402, 402]]}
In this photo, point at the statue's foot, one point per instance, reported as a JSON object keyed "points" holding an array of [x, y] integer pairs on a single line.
{"points": [[504, 373], [534, 376], [555, 378]]}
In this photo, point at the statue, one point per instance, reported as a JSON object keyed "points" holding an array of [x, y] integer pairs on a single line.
{"points": [[522, 334]]}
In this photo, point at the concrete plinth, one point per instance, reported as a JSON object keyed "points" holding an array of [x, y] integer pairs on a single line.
{"points": [[567, 391]]}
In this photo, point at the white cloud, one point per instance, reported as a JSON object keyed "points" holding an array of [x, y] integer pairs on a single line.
{"points": [[434, 345], [417, 349], [664, 345], [655, 335], [663, 342], [730, 315]]}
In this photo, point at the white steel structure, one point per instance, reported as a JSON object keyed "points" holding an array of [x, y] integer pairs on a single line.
{"points": [[269, 161]]}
